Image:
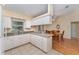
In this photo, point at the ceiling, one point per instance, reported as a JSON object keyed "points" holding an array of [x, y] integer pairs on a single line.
{"points": [[63, 9], [34, 10]]}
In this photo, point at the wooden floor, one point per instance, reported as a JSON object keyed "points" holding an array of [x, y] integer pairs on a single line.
{"points": [[67, 47]]}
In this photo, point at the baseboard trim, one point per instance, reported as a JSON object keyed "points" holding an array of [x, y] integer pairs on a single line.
{"points": [[67, 38]]}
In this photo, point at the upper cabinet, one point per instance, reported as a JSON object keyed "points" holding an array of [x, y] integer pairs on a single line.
{"points": [[27, 24], [7, 22], [42, 21]]}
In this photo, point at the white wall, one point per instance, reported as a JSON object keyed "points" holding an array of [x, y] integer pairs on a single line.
{"points": [[65, 22], [0, 19], [1, 31], [64, 25]]}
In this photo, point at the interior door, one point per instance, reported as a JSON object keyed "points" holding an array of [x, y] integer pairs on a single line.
{"points": [[75, 29]]}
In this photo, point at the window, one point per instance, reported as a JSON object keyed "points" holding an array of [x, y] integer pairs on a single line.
{"points": [[17, 26]]}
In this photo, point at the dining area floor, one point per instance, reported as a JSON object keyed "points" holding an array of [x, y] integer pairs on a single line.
{"points": [[67, 46]]}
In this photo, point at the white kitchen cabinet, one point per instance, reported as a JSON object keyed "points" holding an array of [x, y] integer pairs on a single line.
{"points": [[21, 39], [14, 41], [33, 39], [34, 22], [25, 38], [7, 22], [27, 24], [8, 43], [42, 20], [44, 43], [39, 41], [17, 41], [36, 40], [47, 44], [1, 45]]}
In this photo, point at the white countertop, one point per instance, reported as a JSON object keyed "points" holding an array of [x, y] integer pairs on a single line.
{"points": [[42, 34]]}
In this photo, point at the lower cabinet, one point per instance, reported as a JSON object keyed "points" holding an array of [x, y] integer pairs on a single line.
{"points": [[21, 39], [8, 43], [47, 44], [14, 41], [1, 45], [36, 40], [43, 43]]}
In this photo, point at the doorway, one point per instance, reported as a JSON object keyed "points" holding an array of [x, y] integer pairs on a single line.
{"points": [[75, 30]]}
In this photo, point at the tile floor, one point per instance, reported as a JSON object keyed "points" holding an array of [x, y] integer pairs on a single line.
{"points": [[29, 49]]}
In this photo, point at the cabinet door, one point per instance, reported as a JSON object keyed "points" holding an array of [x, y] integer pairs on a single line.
{"points": [[36, 40], [8, 43], [42, 20], [25, 38], [34, 22], [21, 39], [7, 22], [2, 44], [33, 39], [47, 44], [17, 40], [45, 20], [27, 24], [14, 41]]}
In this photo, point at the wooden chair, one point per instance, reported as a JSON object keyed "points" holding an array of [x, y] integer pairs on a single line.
{"points": [[62, 36], [56, 35]]}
